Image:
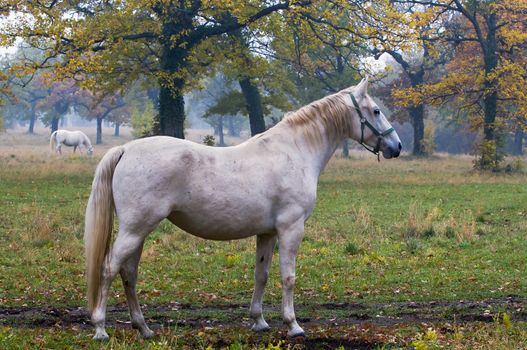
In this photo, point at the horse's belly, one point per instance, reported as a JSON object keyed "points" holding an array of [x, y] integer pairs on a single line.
{"points": [[222, 226]]}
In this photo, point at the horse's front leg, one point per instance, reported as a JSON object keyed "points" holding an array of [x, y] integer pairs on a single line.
{"points": [[289, 238], [75, 148], [264, 254]]}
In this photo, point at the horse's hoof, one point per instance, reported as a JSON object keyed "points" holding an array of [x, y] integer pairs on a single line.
{"points": [[296, 332], [147, 334], [297, 335], [101, 336], [260, 328]]}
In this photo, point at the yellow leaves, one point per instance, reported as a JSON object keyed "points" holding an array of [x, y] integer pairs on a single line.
{"points": [[422, 19], [233, 259], [458, 85], [513, 36], [373, 259], [23, 70], [426, 341], [507, 323], [407, 97]]}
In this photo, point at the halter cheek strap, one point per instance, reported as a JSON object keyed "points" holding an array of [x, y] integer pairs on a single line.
{"points": [[365, 123]]}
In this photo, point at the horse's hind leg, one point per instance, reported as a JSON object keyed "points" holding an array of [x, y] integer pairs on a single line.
{"points": [[124, 247], [264, 254], [129, 276]]}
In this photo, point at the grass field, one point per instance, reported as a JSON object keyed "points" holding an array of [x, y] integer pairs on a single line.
{"points": [[406, 253]]}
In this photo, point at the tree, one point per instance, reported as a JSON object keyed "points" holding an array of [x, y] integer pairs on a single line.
{"points": [[484, 33], [226, 103], [60, 97], [320, 70], [5, 92], [108, 44], [419, 64], [100, 107], [29, 98], [116, 42]]}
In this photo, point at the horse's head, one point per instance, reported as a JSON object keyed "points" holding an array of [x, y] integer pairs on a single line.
{"points": [[370, 127], [90, 151]]}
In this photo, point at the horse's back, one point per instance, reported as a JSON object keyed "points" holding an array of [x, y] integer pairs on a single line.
{"points": [[72, 138]]}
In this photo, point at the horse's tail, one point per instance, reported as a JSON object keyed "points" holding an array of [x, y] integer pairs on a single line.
{"points": [[99, 222], [53, 140]]}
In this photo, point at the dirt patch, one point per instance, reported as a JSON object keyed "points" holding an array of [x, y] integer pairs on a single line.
{"points": [[345, 313], [320, 316]]}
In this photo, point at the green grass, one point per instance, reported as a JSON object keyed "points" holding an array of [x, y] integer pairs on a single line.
{"points": [[401, 230]]}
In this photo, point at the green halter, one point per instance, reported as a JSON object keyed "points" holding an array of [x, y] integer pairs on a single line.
{"points": [[364, 122]]}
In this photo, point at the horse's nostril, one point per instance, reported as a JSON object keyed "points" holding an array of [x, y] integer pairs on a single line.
{"points": [[400, 146]]}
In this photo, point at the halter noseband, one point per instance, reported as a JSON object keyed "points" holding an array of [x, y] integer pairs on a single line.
{"points": [[364, 122]]}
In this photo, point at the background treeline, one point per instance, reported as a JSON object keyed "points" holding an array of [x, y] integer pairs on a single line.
{"points": [[450, 73]]}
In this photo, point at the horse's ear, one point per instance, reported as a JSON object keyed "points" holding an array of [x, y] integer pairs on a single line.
{"points": [[361, 89]]}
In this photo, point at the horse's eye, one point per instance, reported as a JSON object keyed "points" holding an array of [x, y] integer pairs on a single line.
{"points": [[376, 111]]}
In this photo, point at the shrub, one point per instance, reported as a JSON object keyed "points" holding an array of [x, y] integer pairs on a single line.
{"points": [[419, 224], [362, 222], [209, 140], [428, 141], [488, 156], [143, 122], [412, 245], [352, 249]]}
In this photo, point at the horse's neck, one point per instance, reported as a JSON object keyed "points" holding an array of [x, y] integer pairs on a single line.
{"points": [[86, 141], [318, 151]]}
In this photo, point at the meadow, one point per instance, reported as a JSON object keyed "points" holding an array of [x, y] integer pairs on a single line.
{"points": [[406, 253]]}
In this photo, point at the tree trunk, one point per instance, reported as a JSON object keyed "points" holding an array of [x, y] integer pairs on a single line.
{"points": [[32, 120], [172, 62], [345, 149], [117, 131], [253, 101], [171, 112], [60, 108], [98, 139], [232, 128], [220, 132], [517, 147], [54, 124], [417, 113], [490, 102], [418, 123]]}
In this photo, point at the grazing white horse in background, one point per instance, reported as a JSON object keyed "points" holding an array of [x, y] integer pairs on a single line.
{"points": [[70, 138], [265, 186]]}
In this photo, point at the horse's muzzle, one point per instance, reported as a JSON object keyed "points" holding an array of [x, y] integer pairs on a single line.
{"points": [[391, 151]]}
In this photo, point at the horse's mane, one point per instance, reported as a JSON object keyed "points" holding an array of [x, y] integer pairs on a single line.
{"points": [[330, 114]]}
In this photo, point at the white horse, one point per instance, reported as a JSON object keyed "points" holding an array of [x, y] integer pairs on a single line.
{"points": [[70, 138], [265, 186]]}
